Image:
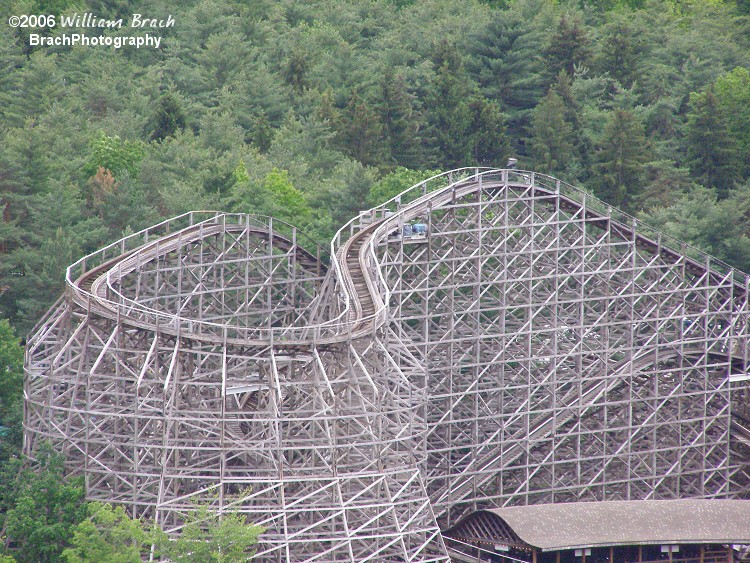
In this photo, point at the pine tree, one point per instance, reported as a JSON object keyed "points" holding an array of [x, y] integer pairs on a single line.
{"points": [[360, 133], [261, 134], [505, 59], [296, 68], [11, 390], [620, 53], [552, 141], [449, 115], [169, 118], [488, 136], [619, 170], [569, 47], [712, 153], [39, 85], [733, 99], [563, 87], [401, 122]]}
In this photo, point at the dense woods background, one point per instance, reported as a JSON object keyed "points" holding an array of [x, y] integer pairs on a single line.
{"points": [[310, 111]]}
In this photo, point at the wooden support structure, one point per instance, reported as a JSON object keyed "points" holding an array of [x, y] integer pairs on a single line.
{"points": [[535, 346]]}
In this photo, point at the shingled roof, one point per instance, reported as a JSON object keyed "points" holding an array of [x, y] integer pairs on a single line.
{"points": [[598, 524]]}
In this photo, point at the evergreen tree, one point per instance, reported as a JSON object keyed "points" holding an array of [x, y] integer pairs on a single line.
{"points": [[307, 148], [25, 172], [488, 136], [449, 115], [732, 93], [581, 158], [11, 391], [568, 48], [360, 132], [169, 118], [623, 152], [39, 85], [663, 184], [401, 122], [620, 53], [11, 59], [552, 141], [261, 134], [712, 153], [505, 61], [396, 182], [345, 193], [296, 69], [717, 226]]}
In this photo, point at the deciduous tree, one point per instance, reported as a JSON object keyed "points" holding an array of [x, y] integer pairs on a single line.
{"points": [[48, 506]]}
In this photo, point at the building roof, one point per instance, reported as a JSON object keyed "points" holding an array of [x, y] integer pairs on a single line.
{"points": [[593, 524]]}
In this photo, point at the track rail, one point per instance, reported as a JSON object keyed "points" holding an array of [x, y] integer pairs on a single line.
{"points": [[364, 292], [328, 416]]}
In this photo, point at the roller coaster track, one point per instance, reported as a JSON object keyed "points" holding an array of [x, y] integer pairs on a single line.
{"points": [[319, 399], [96, 288], [366, 302], [361, 280]]}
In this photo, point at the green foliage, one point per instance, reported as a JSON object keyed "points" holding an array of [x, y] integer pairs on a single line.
{"points": [[273, 195], [713, 154], [620, 53], [360, 132], [109, 535], [114, 154], [39, 85], [620, 160], [210, 537], [396, 182], [345, 194], [717, 226], [11, 389], [400, 120], [46, 509], [552, 141], [569, 47], [449, 114], [732, 93], [169, 118], [488, 138]]}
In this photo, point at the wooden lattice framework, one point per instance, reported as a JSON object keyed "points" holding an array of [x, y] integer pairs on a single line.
{"points": [[535, 345]]}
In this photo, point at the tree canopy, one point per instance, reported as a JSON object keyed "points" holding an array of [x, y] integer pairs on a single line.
{"points": [[321, 101]]}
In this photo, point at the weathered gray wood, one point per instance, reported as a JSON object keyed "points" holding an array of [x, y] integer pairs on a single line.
{"points": [[535, 346]]}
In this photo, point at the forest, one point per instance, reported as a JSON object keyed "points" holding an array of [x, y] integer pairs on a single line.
{"points": [[311, 111]]}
